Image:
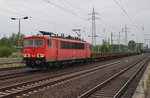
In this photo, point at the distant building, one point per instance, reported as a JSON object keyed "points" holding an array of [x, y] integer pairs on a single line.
{"points": [[140, 45], [146, 47]]}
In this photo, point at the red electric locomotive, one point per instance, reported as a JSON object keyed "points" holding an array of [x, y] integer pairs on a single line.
{"points": [[48, 49]]}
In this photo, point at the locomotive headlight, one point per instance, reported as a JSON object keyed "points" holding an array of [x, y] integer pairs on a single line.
{"points": [[40, 55], [26, 55]]}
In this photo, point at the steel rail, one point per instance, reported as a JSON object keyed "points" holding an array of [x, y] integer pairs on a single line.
{"points": [[30, 86], [25, 73], [1, 63], [96, 88], [121, 91]]}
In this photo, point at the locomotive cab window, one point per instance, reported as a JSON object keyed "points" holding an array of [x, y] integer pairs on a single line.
{"points": [[33, 42], [49, 42], [28, 43], [38, 42]]}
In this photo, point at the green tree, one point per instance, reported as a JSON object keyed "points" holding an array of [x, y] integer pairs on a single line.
{"points": [[5, 51], [105, 46], [114, 48], [132, 45], [3, 41], [11, 42]]}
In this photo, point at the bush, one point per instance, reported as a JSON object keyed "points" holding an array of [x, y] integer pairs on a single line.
{"points": [[16, 54], [5, 52]]}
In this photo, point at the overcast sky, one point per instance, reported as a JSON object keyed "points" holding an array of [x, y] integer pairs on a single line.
{"points": [[61, 16]]}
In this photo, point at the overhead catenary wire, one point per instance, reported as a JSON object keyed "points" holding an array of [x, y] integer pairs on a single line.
{"points": [[66, 10], [40, 12], [124, 11], [38, 19], [74, 6], [12, 12], [22, 13], [130, 11], [31, 8], [11, 5], [12, 25], [59, 7], [46, 15]]}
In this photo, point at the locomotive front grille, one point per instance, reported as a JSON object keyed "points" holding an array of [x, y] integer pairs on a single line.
{"points": [[34, 62]]}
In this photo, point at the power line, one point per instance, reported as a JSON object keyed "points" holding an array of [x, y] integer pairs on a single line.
{"points": [[12, 12], [31, 8], [59, 7], [38, 19], [130, 11], [18, 10], [65, 9], [126, 14], [44, 13], [73, 5], [16, 25]]}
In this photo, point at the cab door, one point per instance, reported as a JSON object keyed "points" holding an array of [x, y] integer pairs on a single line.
{"points": [[49, 49], [86, 49], [56, 48]]}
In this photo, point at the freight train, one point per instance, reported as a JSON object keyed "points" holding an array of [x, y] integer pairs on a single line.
{"points": [[47, 50]]}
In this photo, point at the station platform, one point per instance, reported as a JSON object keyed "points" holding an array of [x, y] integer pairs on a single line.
{"points": [[143, 89]]}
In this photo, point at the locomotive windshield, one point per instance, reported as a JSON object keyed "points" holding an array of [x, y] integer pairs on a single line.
{"points": [[33, 42]]}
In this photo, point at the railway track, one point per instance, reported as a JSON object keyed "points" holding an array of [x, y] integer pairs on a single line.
{"points": [[19, 89], [17, 75], [115, 86], [23, 73], [11, 65], [14, 73], [12, 68]]}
